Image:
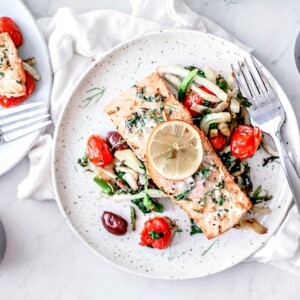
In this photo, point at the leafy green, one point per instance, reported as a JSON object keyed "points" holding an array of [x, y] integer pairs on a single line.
{"points": [[199, 73], [207, 104], [154, 235], [195, 228], [152, 205], [221, 83], [213, 126], [226, 159], [140, 204], [243, 100]]}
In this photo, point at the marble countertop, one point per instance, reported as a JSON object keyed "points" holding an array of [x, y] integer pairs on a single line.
{"points": [[45, 260]]}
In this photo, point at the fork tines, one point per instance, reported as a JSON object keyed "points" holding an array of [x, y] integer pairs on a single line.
{"points": [[21, 120], [252, 82]]}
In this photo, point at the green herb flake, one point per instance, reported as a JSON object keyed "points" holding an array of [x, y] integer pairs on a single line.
{"points": [[2, 74], [154, 235], [83, 161], [195, 228], [221, 83], [269, 159]]}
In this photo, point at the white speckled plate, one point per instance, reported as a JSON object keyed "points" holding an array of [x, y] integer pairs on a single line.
{"points": [[77, 194], [33, 46]]}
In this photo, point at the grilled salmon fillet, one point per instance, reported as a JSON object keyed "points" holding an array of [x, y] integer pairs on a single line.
{"points": [[12, 74], [138, 110], [210, 196]]}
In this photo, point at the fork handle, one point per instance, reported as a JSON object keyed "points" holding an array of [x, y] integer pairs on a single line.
{"points": [[289, 169]]}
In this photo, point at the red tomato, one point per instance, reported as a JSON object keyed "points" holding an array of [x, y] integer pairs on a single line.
{"points": [[98, 151], [9, 26], [13, 101], [245, 141], [218, 142], [195, 98], [157, 233]]}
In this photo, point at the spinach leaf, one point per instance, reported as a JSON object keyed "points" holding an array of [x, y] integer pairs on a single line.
{"points": [[221, 83]]}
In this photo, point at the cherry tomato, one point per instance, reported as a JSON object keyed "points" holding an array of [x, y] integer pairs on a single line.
{"points": [[218, 142], [9, 26], [245, 141], [98, 151], [157, 233], [192, 98], [12, 101]]}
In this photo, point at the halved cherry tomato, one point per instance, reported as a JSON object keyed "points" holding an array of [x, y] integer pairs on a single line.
{"points": [[98, 151], [192, 98], [218, 142], [9, 26], [245, 141], [157, 233], [12, 101]]}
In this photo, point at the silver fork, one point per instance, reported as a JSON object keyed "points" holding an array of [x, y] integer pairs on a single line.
{"points": [[21, 120], [267, 113]]}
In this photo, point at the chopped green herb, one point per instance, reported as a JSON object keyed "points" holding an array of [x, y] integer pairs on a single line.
{"points": [[2, 74], [243, 100], [204, 252], [83, 161], [151, 98], [221, 83], [256, 196], [153, 114], [154, 235], [195, 228], [133, 217], [184, 192], [205, 172], [95, 95], [136, 120], [199, 73], [269, 159], [220, 201]]}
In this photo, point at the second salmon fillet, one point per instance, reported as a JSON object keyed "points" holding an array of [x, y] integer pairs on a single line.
{"points": [[210, 196]]}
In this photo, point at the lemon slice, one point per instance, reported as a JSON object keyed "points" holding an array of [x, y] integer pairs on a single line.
{"points": [[174, 149]]}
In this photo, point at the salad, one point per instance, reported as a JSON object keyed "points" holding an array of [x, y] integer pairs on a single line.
{"points": [[17, 76], [127, 167]]}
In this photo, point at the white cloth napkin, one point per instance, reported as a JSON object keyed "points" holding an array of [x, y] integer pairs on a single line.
{"points": [[75, 41]]}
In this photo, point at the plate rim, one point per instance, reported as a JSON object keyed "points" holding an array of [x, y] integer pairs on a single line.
{"points": [[38, 133], [55, 141]]}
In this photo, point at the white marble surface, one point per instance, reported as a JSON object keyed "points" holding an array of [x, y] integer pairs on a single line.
{"points": [[45, 260]]}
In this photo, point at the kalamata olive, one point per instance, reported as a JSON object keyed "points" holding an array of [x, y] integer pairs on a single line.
{"points": [[115, 141], [114, 223]]}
